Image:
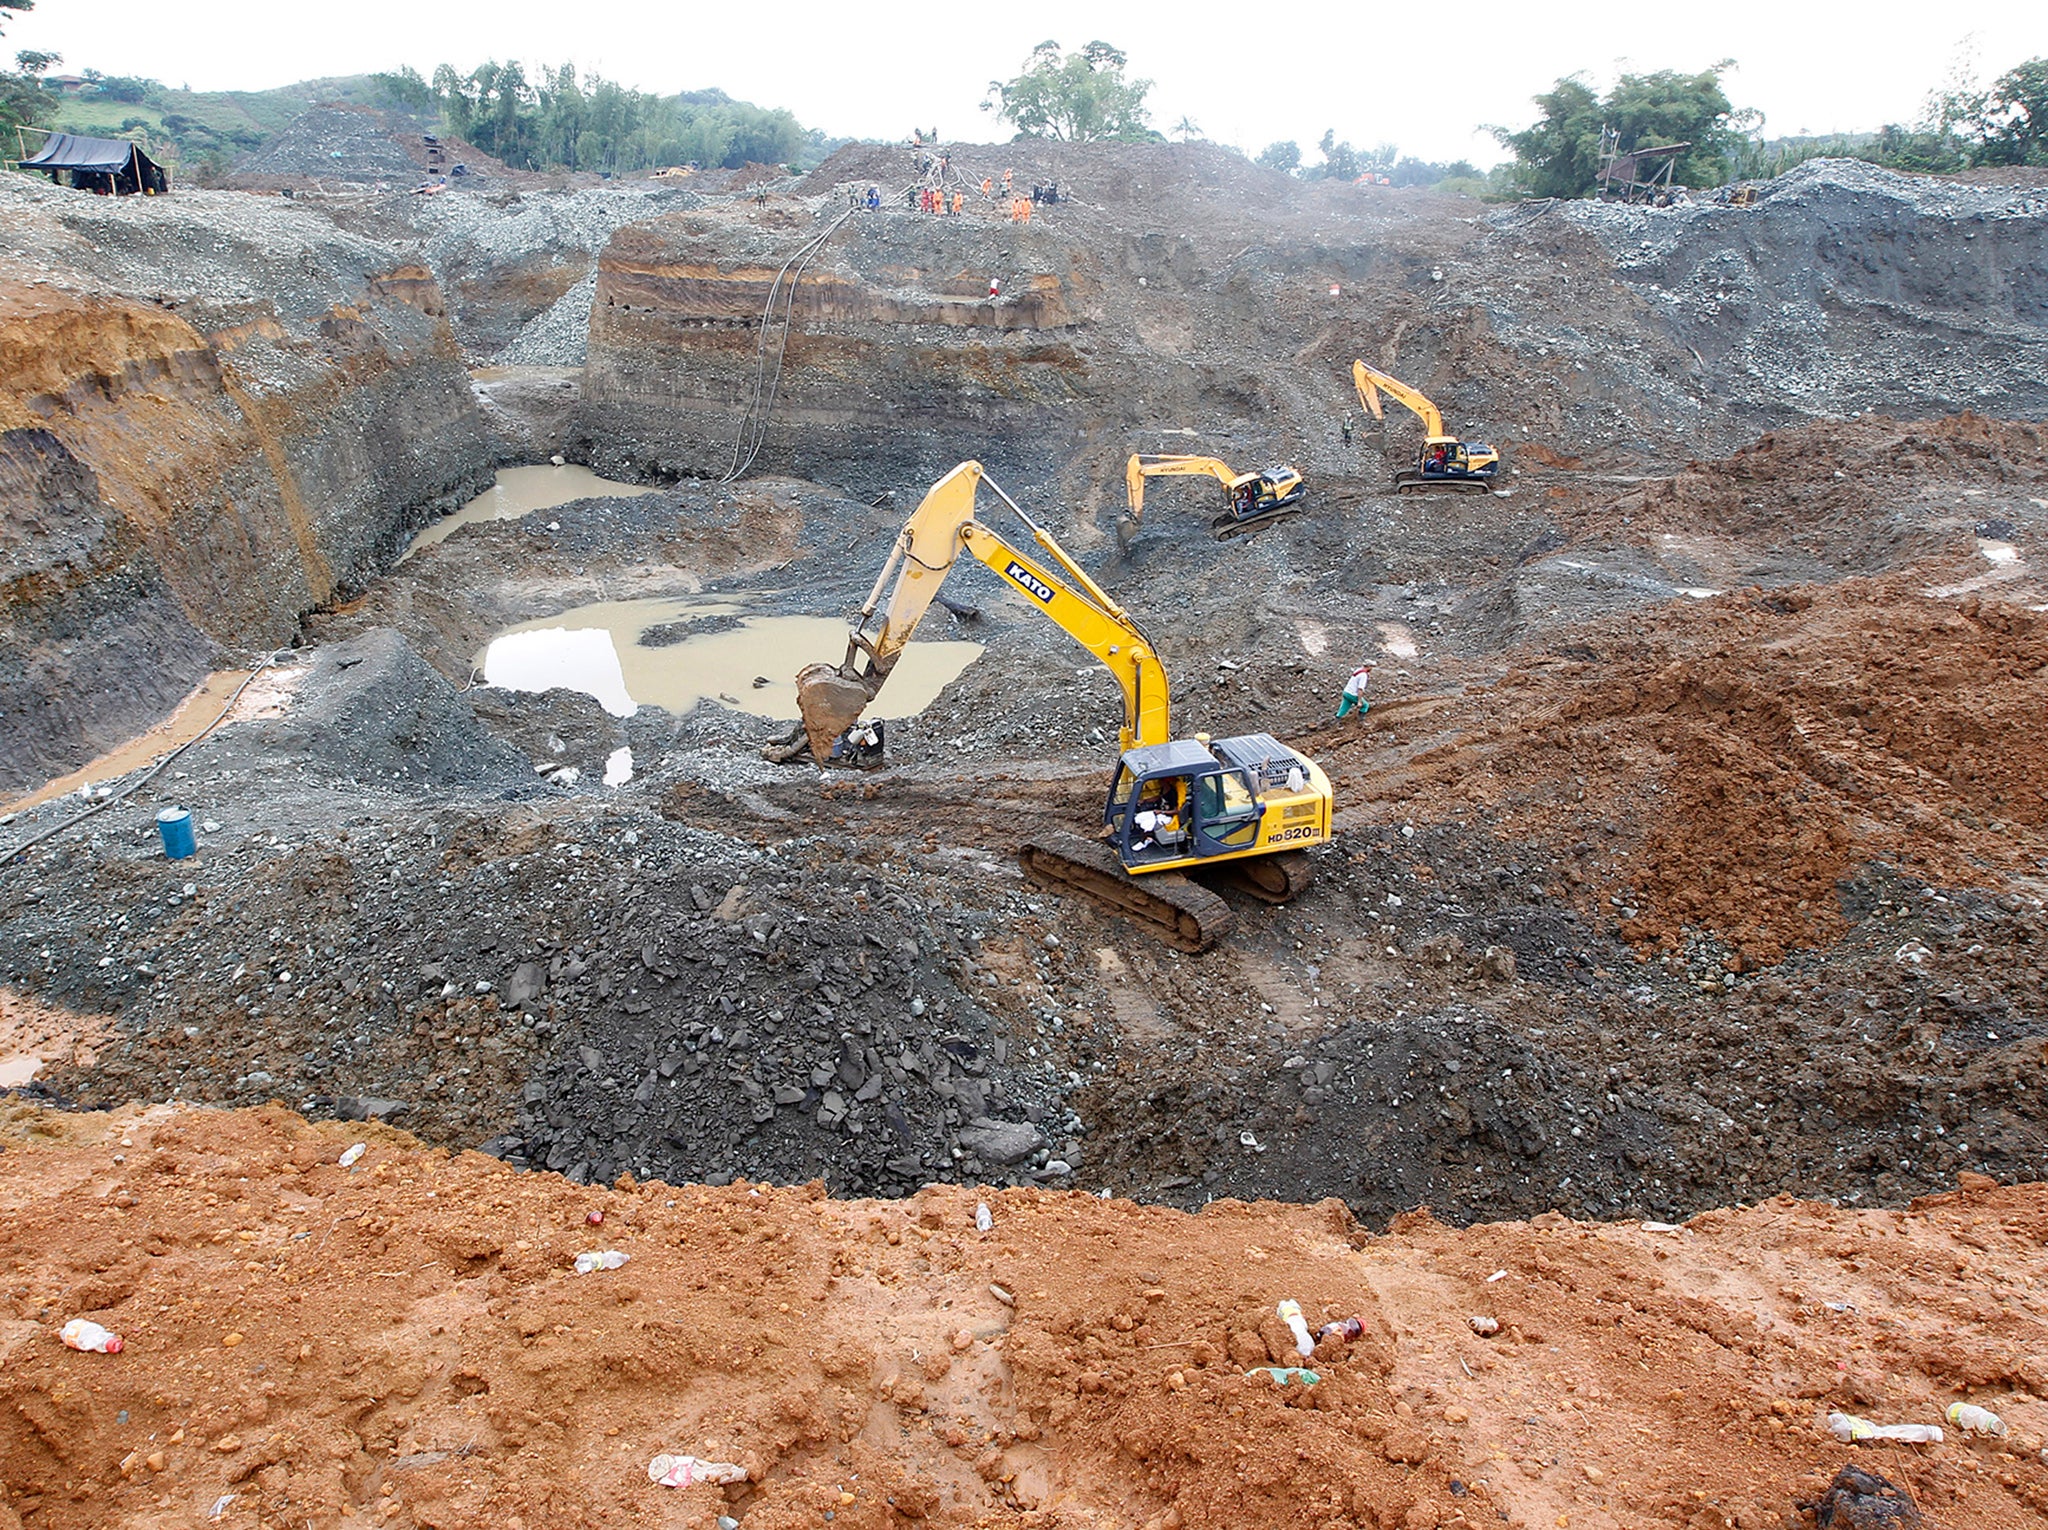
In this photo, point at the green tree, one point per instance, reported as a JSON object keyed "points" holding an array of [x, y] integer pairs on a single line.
{"points": [[13, 5], [23, 100], [1340, 160], [1284, 156], [1559, 154], [405, 89], [1187, 129], [1078, 96], [2013, 125], [1669, 107]]}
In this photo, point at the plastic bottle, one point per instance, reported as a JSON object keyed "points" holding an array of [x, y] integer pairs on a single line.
{"points": [[354, 1155], [982, 1220], [681, 1471], [1343, 1328], [599, 1259], [1282, 1374], [81, 1334], [1290, 1314], [1972, 1419], [1847, 1427]]}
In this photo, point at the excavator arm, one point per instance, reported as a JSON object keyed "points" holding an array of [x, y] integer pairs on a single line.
{"points": [[1142, 467], [831, 697], [1371, 384]]}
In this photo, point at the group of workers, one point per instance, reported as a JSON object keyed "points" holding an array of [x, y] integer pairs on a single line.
{"points": [[936, 190]]}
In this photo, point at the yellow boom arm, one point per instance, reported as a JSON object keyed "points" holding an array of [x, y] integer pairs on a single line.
{"points": [[942, 526], [1142, 467], [1370, 384]]}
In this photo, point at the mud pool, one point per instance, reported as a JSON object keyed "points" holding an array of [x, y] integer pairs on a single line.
{"points": [[523, 490], [626, 654]]}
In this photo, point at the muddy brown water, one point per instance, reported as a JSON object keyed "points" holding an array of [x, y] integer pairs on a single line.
{"points": [[523, 490], [601, 650]]}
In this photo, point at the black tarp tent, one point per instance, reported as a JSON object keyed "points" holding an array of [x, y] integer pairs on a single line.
{"points": [[100, 164]]}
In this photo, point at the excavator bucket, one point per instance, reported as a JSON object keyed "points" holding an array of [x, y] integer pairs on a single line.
{"points": [[830, 699]]}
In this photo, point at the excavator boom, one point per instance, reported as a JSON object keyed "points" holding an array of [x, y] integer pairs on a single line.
{"points": [[831, 697], [1371, 384]]}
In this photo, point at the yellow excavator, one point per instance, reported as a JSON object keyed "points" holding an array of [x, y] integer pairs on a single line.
{"points": [[1445, 462], [1251, 500], [1245, 807]]}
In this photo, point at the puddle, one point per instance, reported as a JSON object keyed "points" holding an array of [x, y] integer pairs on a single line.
{"points": [[602, 651], [523, 490], [33, 1034], [2006, 563]]}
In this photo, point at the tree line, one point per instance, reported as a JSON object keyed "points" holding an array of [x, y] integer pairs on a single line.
{"points": [[557, 119], [1964, 125]]}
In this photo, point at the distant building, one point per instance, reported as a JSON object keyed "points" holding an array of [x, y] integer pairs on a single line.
{"points": [[67, 84], [108, 166]]}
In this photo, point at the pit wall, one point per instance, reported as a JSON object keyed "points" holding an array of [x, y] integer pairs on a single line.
{"points": [[895, 369], [171, 490]]}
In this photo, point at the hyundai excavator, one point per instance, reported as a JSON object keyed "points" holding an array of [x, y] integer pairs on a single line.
{"points": [[1251, 500], [1245, 808], [1444, 462]]}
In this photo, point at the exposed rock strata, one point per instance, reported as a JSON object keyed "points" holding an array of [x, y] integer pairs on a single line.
{"points": [[216, 413]]}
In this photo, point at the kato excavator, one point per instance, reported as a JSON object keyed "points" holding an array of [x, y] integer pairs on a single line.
{"points": [[1251, 500], [1244, 809], [1445, 462]]}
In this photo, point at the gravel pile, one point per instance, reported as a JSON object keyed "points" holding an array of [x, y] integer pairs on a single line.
{"points": [[221, 250], [558, 337], [371, 709], [1825, 297], [466, 234], [334, 143]]}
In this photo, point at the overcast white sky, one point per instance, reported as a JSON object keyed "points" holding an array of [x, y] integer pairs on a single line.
{"points": [[1429, 78]]}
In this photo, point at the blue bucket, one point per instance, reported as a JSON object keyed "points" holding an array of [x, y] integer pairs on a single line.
{"points": [[174, 827]]}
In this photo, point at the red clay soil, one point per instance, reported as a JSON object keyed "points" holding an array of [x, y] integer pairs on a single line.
{"points": [[1755, 749], [405, 1343]]}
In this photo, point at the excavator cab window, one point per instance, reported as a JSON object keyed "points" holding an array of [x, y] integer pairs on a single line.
{"points": [[1156, 817], [1226, 811]]}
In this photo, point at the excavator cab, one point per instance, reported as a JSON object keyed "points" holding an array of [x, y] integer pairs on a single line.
{"points": [[1180, 803], [1255, 496]]}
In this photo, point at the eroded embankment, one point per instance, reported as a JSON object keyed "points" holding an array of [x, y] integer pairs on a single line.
{"points": [[216, 414], [404, 1342]]}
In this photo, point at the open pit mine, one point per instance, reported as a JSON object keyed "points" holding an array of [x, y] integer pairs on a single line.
{"points": [[1618, 1045]]}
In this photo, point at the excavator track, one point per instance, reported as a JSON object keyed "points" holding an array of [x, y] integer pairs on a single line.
{"points": [[1226, 526], [1185, 915], [1270, 878], [1415, 483]]}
